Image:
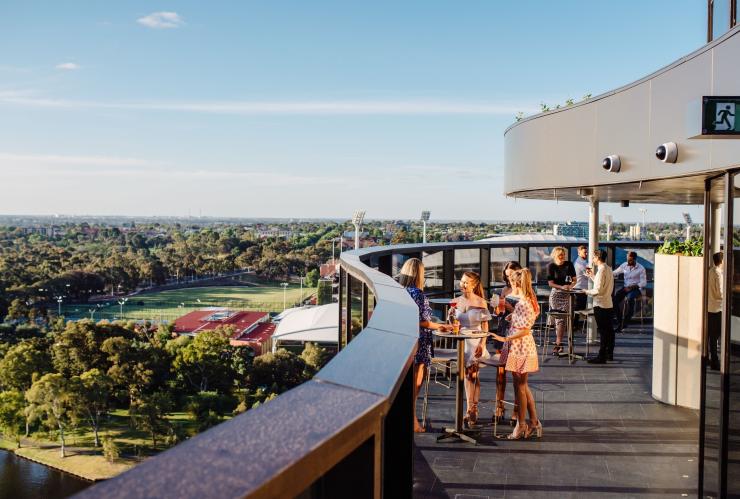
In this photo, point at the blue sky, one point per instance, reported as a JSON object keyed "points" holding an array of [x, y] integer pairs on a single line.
{"points": [[304, 109]]}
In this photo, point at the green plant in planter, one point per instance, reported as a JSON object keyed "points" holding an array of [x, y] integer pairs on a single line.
{"points": [[690, 247]]}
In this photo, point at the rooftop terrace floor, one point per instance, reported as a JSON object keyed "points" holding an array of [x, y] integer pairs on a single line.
{"points": [[604, 436]]}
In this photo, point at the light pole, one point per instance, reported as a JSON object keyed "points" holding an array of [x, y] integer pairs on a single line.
{"points": [[285, 289], [424, 219], [59, 305], [357, 219], [301, 290], [687, 219], [121, 302]]}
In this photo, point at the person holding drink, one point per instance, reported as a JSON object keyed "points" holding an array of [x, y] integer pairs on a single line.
{"points": [[560, 278], [503, 306], [412, 278], [519, 354], [471, 310]]}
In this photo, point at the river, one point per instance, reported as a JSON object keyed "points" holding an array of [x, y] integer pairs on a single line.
{"points": [[24, 479]]}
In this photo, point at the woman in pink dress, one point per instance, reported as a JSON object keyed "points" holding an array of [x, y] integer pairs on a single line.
{"points": [[520, 353]]}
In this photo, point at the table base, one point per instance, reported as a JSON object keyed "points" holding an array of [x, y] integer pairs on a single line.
{"points": [[461, 435]]}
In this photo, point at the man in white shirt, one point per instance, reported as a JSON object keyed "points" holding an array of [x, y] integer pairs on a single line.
{"points": [[635, 280], [603, 307], [714, 309]]}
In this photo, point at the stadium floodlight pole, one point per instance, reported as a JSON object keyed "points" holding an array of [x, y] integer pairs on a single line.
{"points": [[121, 302], [609, 220], [285, 289], [687, 219], [301, 290], [424, 219], [357, 219], [59, 305]]}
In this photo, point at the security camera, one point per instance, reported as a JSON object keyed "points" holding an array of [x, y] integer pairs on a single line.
{"points": [[667, 153], [611, 163]]}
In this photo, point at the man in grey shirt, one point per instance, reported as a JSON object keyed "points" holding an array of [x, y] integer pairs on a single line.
{"points": [[581, 264]]}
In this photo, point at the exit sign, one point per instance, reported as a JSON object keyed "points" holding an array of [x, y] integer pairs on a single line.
{"points": [[719, 116]]}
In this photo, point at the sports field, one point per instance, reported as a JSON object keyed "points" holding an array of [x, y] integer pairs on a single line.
{"points": [[169, 305]]}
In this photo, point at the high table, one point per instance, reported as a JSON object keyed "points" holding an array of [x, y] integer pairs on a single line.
{"points": [[458, 431]]}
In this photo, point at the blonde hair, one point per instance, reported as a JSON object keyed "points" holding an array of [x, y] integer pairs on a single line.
{"points": [[412, 274], [557, 250], [477, 285], [522, 279]]}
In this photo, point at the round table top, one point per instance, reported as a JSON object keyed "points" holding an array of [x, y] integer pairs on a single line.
{"points": [[465, 334], [441, 301]]}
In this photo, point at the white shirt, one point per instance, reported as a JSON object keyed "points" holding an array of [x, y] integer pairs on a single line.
{"points": [[581, 278], [633, 276], [714, 290], [603, 287]]}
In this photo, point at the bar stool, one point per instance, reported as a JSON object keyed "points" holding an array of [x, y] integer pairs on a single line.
{"points": [[549, 326], [585, 316]]}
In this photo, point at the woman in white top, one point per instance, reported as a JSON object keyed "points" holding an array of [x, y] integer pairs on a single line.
{"points": [[472, 312]]}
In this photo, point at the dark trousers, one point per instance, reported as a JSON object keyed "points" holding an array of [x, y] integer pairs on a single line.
{"points": [[604, 326], [619, 297], [714, 331]]}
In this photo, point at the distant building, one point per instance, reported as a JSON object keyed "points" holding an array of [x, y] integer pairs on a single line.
{"points": [[637, 232], [253, 329], [573, 229]]}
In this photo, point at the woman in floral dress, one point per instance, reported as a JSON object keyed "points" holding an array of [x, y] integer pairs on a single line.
{"points": [[520, 353], [412, 278]]}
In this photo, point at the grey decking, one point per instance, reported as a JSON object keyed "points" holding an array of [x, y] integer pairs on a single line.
{"points": [[604, 437]]}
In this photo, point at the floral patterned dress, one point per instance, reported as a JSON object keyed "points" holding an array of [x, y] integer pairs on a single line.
{"points": [[520, 355], [425, 352]]}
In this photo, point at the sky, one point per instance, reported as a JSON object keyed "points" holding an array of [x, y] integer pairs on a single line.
{"points": [[305, 109]]}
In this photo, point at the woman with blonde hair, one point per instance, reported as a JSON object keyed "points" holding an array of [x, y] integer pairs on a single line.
{"points": [[472, 312], [561, 278], [520, 353], [412, 278]]}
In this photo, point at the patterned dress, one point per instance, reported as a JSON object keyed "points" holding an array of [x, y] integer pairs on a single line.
{"points": [[520, 355], [425, 352]]}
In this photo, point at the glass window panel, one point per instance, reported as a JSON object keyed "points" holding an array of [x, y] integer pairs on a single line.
{"points": [[433, 270], [720, 18], [499, 258], [355, 306], [733, 430], [398, 259], [466, 260], [343, 305], [712, 381], [539, 258], [370, 303]]}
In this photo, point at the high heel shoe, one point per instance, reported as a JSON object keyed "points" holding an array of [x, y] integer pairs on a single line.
{"points": [[518, 433], [471, 418], [500, 413], [557, 349], [534, 430]]}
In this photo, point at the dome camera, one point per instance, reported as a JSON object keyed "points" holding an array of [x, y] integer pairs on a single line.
{"points": [[667, 153], [611, 163]]}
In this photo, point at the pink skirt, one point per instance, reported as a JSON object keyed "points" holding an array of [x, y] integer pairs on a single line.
{"points": [[520, 355]]}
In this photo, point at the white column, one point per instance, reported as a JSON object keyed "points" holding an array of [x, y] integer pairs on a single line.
{"points": [[593, 227], [593, 245]]}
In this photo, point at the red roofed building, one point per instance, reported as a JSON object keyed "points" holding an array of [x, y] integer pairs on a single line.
{"points": [[252, 329]]}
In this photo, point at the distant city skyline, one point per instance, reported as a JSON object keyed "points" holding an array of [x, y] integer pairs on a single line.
{"points": [[273, 111]]}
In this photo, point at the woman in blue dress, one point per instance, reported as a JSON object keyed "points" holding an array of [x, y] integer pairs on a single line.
{"points": [[412, 278]]}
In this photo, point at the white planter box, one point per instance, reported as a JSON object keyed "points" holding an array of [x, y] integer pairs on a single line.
{"points": [[678, 292]]}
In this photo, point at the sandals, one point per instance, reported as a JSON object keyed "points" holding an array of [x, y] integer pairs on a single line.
{"points": [[518, 433], [534, 430], [471, 418], [557, 349], [500, 412]]}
